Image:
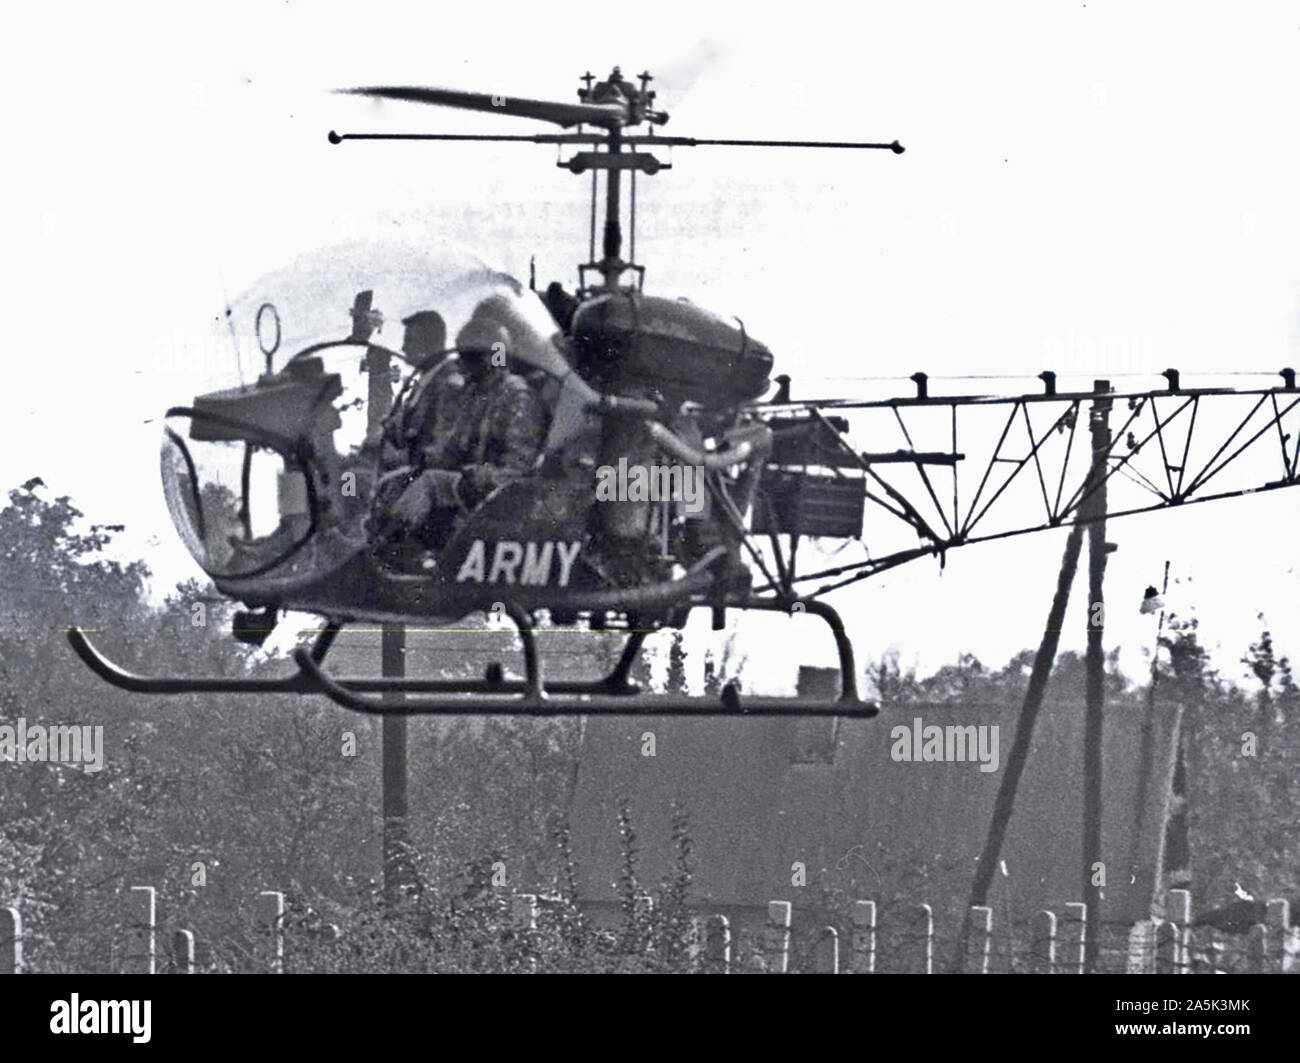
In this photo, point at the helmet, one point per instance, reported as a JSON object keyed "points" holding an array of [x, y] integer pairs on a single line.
{"points": [[483, 334]]}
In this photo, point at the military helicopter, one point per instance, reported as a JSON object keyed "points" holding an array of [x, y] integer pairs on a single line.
{"points": [[712, 486]]}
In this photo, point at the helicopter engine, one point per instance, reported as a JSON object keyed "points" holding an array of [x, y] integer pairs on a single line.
{"points": [[626, 341], [674, 353]]}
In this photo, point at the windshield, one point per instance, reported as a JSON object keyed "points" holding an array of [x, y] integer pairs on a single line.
{"points": [[241, 510]]}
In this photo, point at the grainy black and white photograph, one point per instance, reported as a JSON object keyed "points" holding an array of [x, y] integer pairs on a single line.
{"points": [[546, 489]]}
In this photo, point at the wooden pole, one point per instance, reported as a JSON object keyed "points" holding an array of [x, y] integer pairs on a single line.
{"points": [[1018, 757], [379, 403], [394, 735], [1146, 769], [1092, 511]]}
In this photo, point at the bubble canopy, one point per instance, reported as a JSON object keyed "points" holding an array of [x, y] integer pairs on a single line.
{"points": [[313, 297], [246, 470]]}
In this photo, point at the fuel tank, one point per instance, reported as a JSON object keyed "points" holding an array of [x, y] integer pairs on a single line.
{"points": [[633, 342]]}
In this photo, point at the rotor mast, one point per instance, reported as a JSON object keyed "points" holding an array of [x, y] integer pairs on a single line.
{"points": [[613, 161], [611, 266]]}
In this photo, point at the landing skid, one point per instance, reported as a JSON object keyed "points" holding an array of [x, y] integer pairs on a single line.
{"points": [[615, 694]]}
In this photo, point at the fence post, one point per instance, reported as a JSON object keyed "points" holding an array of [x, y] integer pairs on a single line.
{"points": [[1141, 958], [717, 944], [1166, 947], [523, 915], [1257, 949], [827, 953], [979, 939], [143, 957], [923, 917], [11, 941], [183, 952], [271, 920], [777, 937], [1042, 948], [1277, 918], [864, 937], [1178, 910], [523, 911], [1076, 936], [695, 942]]}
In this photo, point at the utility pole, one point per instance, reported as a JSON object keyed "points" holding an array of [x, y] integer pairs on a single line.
{"points": [[396, 856], [1005, 801], [1092, 515], [1146, 770], [379, 401], [1092, 511]]}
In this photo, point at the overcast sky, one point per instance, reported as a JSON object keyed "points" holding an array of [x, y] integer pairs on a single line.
{"points": [[1101, 188]]}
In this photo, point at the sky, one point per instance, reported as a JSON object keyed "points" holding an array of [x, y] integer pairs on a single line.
{"points": [[1106, 189]]}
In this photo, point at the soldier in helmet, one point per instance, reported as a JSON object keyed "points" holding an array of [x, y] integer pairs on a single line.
{"points": [[492, 433]]}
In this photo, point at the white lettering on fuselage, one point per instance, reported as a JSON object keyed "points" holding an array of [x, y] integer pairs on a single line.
{"points": [[528, 564]]}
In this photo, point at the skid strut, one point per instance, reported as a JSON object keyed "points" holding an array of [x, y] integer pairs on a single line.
{"points": [[615, 694]]}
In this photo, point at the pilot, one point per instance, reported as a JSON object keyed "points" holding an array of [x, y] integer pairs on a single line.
{"points": [[423, 400], [427, 394], [493, 433]]}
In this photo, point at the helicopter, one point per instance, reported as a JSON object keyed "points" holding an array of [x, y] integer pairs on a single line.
{"points": [[273, 486]]}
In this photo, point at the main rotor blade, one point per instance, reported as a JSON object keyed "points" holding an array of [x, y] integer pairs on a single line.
{"points": [[607, 115], [692, 142], [526, 138]]}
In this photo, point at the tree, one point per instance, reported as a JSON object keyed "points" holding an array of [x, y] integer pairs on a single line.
{"points": [[1264, 666]]}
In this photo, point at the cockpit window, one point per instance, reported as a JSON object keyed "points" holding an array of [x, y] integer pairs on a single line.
{"points": [[241, 508]]}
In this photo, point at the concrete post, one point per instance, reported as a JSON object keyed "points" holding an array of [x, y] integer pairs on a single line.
{"points": [[864, 937]]}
